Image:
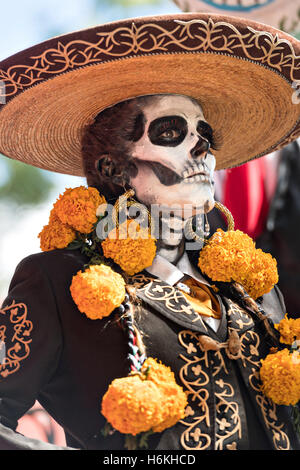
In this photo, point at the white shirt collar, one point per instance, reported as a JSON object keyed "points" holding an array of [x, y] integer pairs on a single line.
{"points": [[170, 273], [186, 267]]}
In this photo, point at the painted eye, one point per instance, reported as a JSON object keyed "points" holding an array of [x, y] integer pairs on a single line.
{"points": [[207, 133], [168, 131], [170, 134]]}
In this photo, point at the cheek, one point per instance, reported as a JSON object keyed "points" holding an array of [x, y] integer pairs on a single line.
{"points": [[146, 151], [210, 163], [176, 158], [149, 191], [145, 184]]}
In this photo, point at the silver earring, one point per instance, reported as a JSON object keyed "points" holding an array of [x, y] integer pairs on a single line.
{"points": [[206, 227], [197, 234]]}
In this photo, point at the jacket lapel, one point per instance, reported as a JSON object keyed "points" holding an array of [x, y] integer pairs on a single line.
{"points": [[168, 301], [253, 348]]}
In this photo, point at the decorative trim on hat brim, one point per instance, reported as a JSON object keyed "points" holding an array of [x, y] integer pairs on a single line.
{"points": [[132, 39]]}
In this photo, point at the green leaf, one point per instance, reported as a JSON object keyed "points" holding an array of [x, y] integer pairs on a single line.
{"points": [[147, 371], [296, 418], [130, 442], [107, 430], [75, 245], [143, 444]]}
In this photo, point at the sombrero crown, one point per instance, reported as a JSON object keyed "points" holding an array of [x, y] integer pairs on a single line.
{"points": [[242, 73]]}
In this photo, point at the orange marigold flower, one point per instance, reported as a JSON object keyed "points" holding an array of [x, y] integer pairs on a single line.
{"points": [[130, 246], [232, 257], [97, 291], [173, 404], [174, 399], [226, 256], [148, 401], [289, 329], [262, 274], [280, 376], [55, 235], [158, 372], [132, 405], [77, 208]]}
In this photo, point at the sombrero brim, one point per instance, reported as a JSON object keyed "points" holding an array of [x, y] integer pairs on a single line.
{"points": [[242, 73]]}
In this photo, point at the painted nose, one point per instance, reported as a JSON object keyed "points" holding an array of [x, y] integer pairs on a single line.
{"points": [[201, 148]]}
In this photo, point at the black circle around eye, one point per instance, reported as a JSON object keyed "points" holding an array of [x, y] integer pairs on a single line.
{"points": [[158, 131], [204, 129]]}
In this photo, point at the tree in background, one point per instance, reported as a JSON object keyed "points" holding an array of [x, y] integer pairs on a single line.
{"points": [[21, 184]]}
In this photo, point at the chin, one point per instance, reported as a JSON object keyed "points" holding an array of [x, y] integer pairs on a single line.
{"points": [[206, 206], [182, 199], [187, 207], [199, 202]]}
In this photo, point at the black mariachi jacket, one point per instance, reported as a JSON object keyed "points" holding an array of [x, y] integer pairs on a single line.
{"points": [[56, 355]]}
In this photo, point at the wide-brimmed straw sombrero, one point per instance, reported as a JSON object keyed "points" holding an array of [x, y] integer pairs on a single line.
{"points": [[242, 73]]}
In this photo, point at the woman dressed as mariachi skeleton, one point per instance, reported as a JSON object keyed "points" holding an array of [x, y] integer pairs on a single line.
{"points": [[127, 341]]}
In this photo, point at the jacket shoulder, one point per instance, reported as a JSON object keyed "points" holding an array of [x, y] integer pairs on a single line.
{"points": [[273, 304], [47, 258], [51, 263]]}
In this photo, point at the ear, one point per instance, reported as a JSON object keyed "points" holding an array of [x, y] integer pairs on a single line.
{"points": [[110, 171], [105, 166]]}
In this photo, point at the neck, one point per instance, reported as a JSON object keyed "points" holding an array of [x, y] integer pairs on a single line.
{"points": [[170, 252], [171, 242]]}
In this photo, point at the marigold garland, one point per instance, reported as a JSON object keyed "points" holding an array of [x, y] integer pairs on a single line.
{"points": [[77, 208], [130, 246], [56, 235], [174, 403], [97, 291], [158, 372], [132, 405], [151, 400], [227, 255], [174, 398], [289, 329], [72, 225], [280, 376], [262, 274], [232, 256]]}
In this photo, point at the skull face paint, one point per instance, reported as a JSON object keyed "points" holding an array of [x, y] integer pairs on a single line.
{"points": [[174, 166]]}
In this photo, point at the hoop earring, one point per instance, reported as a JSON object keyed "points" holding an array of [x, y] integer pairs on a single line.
{"points": [[124, 202], [194, 235], [227, 213]]}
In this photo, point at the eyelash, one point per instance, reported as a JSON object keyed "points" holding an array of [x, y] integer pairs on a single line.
{"points": [[213, 144], [214, 141], [169, 126]]}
